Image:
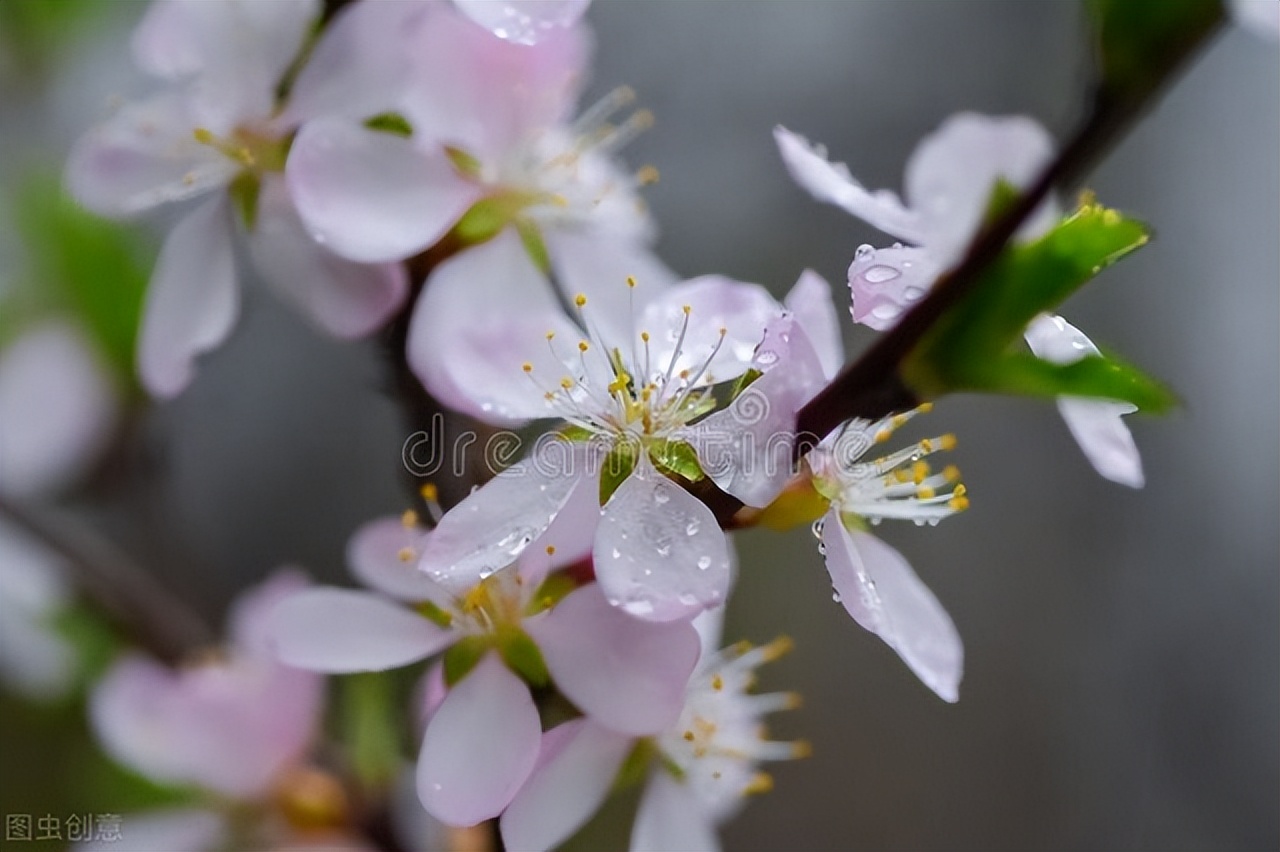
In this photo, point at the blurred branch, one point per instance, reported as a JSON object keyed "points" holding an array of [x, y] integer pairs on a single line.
{"points": [[129, 596]]}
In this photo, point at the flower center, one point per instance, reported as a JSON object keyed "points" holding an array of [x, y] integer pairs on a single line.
{"points": [[254, 151]]}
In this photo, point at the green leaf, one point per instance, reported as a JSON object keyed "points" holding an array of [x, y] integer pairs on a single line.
{"points": [[678, 457], [463, 656], [1138, 42], [617, 467], [90, 637], [370, 728], [522, 655], [390, 122], [1093, 377]]}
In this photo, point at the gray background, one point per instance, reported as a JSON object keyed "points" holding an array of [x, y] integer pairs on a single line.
{"points": [[1121, 687]]}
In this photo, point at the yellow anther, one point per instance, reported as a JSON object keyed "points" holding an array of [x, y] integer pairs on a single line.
{"points": [[409, 519], [777, 648], [189, 178], [1110, 217], [429, 492], [566, 382], [548, 396], [644, 335], [723, 331], [580, 300], [883, 435], [559, 200], [688, 736], [899, 420], [204, 136], [717, 683], [794, 701], [761, 782], [926, 445], [924, 407], [801, 749], [551, 550], [688, 309], [958, 503], [924, 492], [631, 281], [527, 366], [947, 442], [583, 346], [551, 335], [960, 490], [919, 471], [684, 374], [1088, 198], [405, 554], [951, 473], [902, 475], [647, 175]]}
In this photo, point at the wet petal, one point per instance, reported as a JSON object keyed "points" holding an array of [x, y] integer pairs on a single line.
{"points": [[953, 172], [175, 830], [832, 183], [714, 302], [631, 675], [1096, 424], [480, 746], [577, 764], [372, 196], [597, 264], [815, 311], [570, 537], [344, 298], [339, 630], [879, 589], [671, 819], [482, 316], [490, 528], [383, 555], [192, 300], [659, 553], [884, 283], [523, 21], [57, 408]]}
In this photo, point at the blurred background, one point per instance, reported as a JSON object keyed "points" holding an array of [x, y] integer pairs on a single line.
{"points": [[1122, 685]]}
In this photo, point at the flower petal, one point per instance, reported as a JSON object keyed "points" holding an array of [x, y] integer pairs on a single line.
{"points": [[249, 622], [488, 530], [339, 630], [883, 594], [34, 659], [953, 172], [346, 299], [523, 21], [372, 196], [570, 537], [577, 764], [884, 283], [832, 183], [56, 408], [383, 555], [631, 675], [174, 830], [1096, 424], [659, 553], [483, 315], [192, 301], [815, 312], [597, 262], [671, 819], [480, 746]]}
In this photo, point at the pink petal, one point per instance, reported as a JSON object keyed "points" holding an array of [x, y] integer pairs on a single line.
{"points": [[523, 21], [57, 408], [832, 183], [884, 283], [814, 309], [747, 448], [953, 172], [597, 263], [376, 556], [173, 830], [249, 622], [469, 353], [338, 630], [630, 676], [346, 299], [192, 300], [480, 746], [372, 196], [572, 534], [143, 156], [1096, 424], [659, 553], [671, 819], [576, 767], [883, 594], [488, 530]]}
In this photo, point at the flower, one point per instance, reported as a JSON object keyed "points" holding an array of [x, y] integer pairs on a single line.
{"points": [[482, 740], [640, 409], [702, 766], [236, 725], [949, 180], [219, 131], [523, 21]]}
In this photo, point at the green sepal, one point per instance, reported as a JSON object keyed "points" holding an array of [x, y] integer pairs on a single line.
{"points": [[522, 656], [854, 522], [466, 164], [635, 767], [553, 590], [390, 122], [244, 192], [617, 466], [534, 245], [678, 457], [433, 612], [463, 656], [485, 219], [369, 724], [576, 434]]}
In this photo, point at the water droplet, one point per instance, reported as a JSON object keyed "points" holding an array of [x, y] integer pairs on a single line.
{"points": [[912, 294], [864, 252], [640, 608], [886, 311], [663, 550], [687, 599], [919, 522], [616, 554], [661, 495], [437, 787], [880, 274], [704, 562], [875, 522], [767, 357], [692, 527], [817, 528], [835, 596], [933, 522]]}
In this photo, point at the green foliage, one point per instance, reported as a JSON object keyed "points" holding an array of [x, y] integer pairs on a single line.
{"points": [[92, 640], [463, 656], [369, 714], [35, 28], [390, 122], [1138, 41], [553, 590], [617, 466], [972, 348]]}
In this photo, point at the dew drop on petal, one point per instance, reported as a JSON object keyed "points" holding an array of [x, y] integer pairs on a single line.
{"points": [[912, 294], [880, 274], [704, 563], [692, 527], [767, 357], [864, 251]]}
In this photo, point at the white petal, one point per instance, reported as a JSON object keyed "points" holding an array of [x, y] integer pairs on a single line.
{"points": [[671, 819], [192, 300], [337, 630], [659, 553], [33, 657], [383, 554], [143, 156], [1096, 424], [811, 303], [57, 407], [344, 298], [1261, 17], [572, 534], [885, 282], [832, 183], [576, 767], [953, 172], [480, 746], [523, 21], [488, 530], [483, 315], [174, 830], [597, 264], [883, 594], [249, 621], [372, 196], [631, 675]]}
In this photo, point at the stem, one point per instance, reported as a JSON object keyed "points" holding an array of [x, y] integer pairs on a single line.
{"points": [[129, 596]]}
